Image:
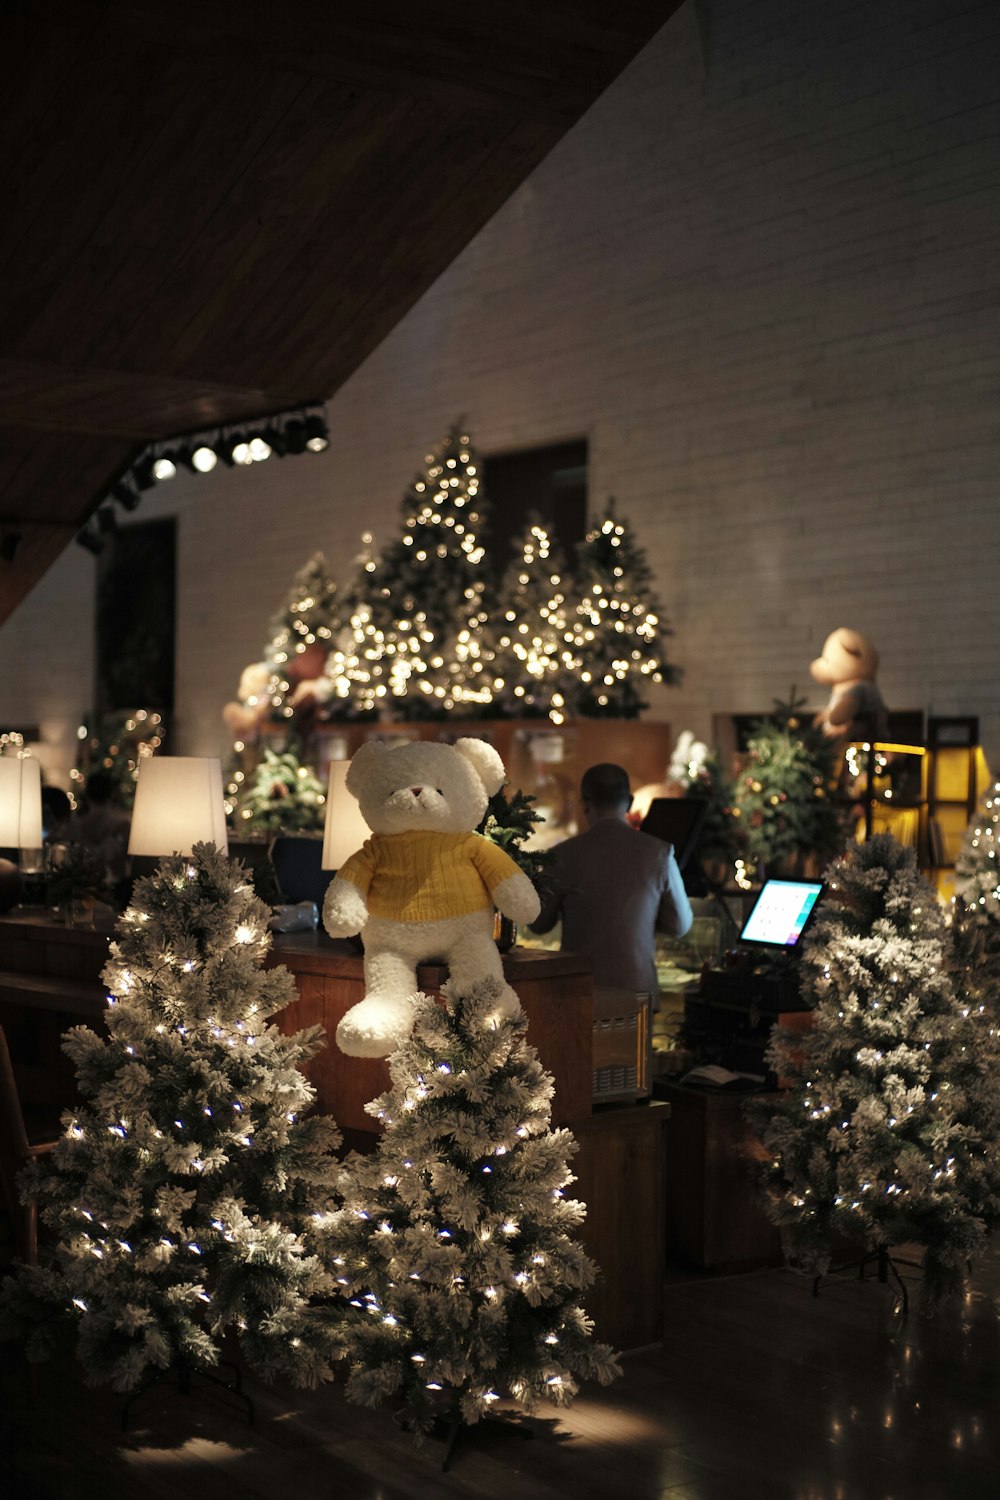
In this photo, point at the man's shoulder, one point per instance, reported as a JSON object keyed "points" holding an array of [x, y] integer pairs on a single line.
{"points": [[612, 835]]}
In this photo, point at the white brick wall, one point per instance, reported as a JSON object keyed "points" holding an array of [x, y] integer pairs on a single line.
{"points": [[763, 280]]}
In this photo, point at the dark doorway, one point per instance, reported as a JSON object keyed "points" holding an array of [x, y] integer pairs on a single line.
{"points": [[136, 606], [550, 482]]}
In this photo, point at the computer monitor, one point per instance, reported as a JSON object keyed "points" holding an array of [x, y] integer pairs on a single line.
{"points": [[676, 820], [781, 913]]}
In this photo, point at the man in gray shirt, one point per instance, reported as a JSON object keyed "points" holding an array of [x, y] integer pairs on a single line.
{"points": [[615, 888]]}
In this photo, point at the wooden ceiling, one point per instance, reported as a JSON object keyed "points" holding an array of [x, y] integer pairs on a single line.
{"points": [[216, 209]]}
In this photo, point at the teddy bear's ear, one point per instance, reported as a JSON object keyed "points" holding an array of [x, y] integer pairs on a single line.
{"points": [[485, 761], [361, 760]]}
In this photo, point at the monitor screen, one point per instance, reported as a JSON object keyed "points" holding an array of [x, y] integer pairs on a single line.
{"points": [[676, 820], [781, 912]]}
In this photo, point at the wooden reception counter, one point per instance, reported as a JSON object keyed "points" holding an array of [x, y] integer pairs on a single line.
{"points": [[50, 980], [554, 991]]}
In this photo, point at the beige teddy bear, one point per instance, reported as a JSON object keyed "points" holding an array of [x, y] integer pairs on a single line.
{"points": [[425, 885], [848, 666]]}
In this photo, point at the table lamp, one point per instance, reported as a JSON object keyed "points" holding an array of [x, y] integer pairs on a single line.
{"points": [[345, 829], [178, 803], [21, 808]]}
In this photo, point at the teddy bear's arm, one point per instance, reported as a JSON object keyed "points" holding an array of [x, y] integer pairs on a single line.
{"points": [[511, 892]]}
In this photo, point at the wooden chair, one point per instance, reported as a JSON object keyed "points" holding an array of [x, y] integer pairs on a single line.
{"points": [[16, 1150]]}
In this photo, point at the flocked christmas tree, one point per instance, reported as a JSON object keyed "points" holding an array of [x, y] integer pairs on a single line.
{"points": [[420, 608], [888, 1134], [976, 908], [781, 801], [454, 1244], [616, 631], [532, 656], [180, 1200]]}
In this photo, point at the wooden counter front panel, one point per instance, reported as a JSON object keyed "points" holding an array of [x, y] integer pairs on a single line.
{"points": [[620, 1172], [555, 994]]}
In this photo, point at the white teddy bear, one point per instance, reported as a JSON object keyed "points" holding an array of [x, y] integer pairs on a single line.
{"points": [[425, 884]]}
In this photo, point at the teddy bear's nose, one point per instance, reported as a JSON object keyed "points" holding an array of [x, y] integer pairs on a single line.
{"points": [[416, 790]]}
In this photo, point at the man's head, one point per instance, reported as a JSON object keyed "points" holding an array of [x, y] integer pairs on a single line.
{"points": [[605, 792]]}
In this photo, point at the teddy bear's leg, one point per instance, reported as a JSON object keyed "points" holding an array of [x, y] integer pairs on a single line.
{"points": [[473, 956], [378, 1023]]}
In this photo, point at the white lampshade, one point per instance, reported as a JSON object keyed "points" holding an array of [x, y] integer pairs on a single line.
{"points": [[346, 829], [20, 802], [178, 803]]}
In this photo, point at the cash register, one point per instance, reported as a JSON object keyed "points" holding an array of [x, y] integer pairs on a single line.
{"points": [[729, 1020]]}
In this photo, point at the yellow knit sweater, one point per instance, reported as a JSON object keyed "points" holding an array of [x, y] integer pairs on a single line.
{"points": [[422, 876]]}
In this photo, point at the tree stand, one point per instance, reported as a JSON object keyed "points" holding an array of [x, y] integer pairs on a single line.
{"points": [[887, 1267], [448, 1426], [185, 1374]]}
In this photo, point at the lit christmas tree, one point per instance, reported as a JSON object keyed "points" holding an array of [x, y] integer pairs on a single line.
{"points": [[976, 911], [364, 659], [617, 629], [453, 1245], [419, 625], [181, 1197], [532, 657], [297, 678], [889, 1132], [301, 635], [117, 745], [280, 795], [781, 800]]}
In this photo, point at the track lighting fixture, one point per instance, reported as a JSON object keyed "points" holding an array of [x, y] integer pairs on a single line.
{"points": [[91, 538], [126, 496], [303, 431], [295, 436], [142, 472]]}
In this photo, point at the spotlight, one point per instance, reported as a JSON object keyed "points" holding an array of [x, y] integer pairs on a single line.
{"points": [[90, 539], [275, 440], [317, 434], [234, 449], [9, 543], [204, 459], [164, 467], [295, 436], [106, 520], [259, 449], [143, 472], [126, 496]]}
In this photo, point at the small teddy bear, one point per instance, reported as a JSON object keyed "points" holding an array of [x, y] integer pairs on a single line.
{"points": [[425, 885], [848, 666], [245, 716]]}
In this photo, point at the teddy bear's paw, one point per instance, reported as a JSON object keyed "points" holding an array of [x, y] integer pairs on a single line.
{"points": [[517, 898], [344, 909], [375, 1026]]}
